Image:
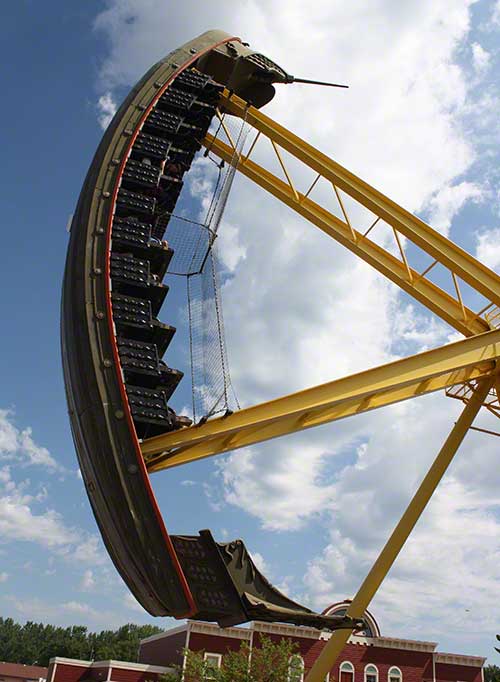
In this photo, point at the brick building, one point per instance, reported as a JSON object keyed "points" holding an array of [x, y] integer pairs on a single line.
{"points": [[73, 670], [367, 657], [18, 672]]}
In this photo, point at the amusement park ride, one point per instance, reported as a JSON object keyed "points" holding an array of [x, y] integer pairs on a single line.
{"points": [[118, 388]]}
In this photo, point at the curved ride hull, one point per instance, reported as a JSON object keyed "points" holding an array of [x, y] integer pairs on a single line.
{"points": [[116, 383], [108, 450]]}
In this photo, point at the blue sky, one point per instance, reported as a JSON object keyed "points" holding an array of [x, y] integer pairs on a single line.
{"points": [[421, 123]]}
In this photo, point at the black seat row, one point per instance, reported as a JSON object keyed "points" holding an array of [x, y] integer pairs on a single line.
{"points": [[149, 188]]}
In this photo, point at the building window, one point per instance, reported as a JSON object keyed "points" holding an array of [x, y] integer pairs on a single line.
{"points": [[346, 672], [395, 675], [295, 669], [212, 661], [371, 673]]}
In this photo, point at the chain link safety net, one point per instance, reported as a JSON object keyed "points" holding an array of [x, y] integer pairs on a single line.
{"points": [[195, 258]]}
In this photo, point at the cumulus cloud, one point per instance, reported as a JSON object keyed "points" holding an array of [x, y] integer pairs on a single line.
{"points": [[88, 581], [18, 521], [106, 109], [495, 14], [481, 59], [260, 562], [21, 520], [449, 200], [19, 446], [488, 248], [90, 550], [79, 608], [131, 603], [65, 612]]}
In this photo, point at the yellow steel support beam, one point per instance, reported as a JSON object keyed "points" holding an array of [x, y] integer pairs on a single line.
{"points": [[406, 378], [432, 242], [326, 660], [429, 294]]}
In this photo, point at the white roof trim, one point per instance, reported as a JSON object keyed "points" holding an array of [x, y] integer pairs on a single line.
{"points": [[406, 644], [285, 629], [459, 659], [146, 667], [70, 661], [111, 664], [388, 642], [213, 629]]}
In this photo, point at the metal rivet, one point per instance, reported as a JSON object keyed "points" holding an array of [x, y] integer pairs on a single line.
{"points": [[106, 195], [142, 107], [107, 362], [193, 50], [99, 315], [99, 230], [115, 162], [128, 131], [158, 84], [97, 271], [132, 468], [119, 414], [174, 65]]}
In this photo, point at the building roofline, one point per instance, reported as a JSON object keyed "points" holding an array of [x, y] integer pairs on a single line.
{"points": [[70, 661], [459, 659], [160, 635], [23, 670], [111, 663], [200, 627], [239, 632]]}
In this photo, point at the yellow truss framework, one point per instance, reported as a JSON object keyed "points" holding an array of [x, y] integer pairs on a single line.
{"points": [[467, 369]]}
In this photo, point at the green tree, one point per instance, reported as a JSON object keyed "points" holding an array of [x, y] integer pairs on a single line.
{"points": [[269, 662], [36, 643], [491, 673]]}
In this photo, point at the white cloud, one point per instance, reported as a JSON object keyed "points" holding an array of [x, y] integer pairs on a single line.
{"points": [[260, 562], [19, 446], [20, 521], [3, 577], [90, 551], [495, 14], [88, 580], [488, 248], [65, 612], [79, 608], [106, 108], [131, 603], [449, 200], [481, 59]]}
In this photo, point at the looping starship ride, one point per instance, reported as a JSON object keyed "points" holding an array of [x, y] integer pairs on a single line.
{"points": [[119, 388]]}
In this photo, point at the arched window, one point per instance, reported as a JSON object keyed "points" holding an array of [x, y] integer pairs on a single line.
{"points": [[346, 672], [371, 673], [394, 675], [295, 668]]}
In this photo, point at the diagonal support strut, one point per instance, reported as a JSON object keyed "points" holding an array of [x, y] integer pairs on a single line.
{"points": [[388, 555], [406, 378]]}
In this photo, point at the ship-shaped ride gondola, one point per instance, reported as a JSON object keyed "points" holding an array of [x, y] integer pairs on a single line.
{"points": [[118, 387]]}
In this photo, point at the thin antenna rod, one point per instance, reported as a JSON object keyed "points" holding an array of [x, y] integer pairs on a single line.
{"points": [[306, 80]]}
